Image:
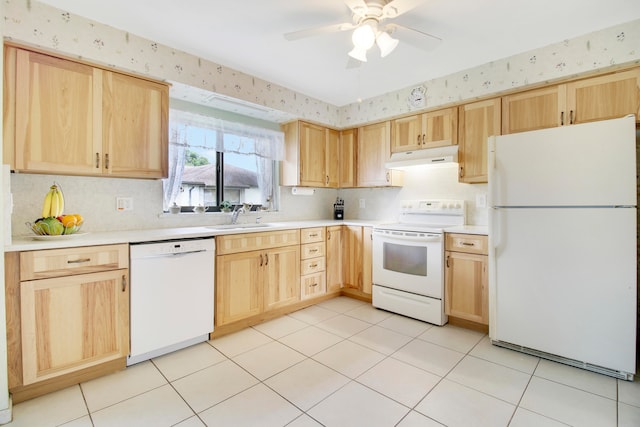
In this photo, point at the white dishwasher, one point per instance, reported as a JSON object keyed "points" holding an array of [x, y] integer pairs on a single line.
{"points": [[171, 296]]}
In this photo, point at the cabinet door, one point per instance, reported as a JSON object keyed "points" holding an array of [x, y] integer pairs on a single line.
{"points": [[478, 121], [312, 155], [57, 115], [532, 110], [352, 256], [407, 133], [135, 129], [312, 285], [281, 271], [332, 162], [334, 258], [347, 158], [466, 292], [440, 128], [367, 266], [373, 151], [605, 97], [70, 323], [239, 290]]}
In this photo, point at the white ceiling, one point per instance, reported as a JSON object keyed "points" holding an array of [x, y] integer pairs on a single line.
{"points": [[247, 35]]}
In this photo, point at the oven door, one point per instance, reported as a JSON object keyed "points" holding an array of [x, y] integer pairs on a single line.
{"points": [[409, 261]]}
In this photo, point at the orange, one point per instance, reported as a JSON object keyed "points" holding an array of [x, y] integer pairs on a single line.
{"points": [[69, 221], [79, 219]]}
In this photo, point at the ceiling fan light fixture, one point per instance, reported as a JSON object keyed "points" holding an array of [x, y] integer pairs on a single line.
{"points": [[386, 43], [364, 36], [359, 53]]}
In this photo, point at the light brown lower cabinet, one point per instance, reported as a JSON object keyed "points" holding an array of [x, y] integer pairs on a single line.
{"points": [[249, 283], [67, 316], [466, 277], [356, 251], [335, 278], [69, 323], [255, 273]]}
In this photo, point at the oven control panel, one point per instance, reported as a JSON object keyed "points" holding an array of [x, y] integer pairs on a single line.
{"points": [[441, 207]]}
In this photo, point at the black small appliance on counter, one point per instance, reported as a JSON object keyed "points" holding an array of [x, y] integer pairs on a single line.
{"points": [[338, 209]]}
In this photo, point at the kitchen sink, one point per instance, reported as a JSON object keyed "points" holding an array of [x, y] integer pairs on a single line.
{"points": [[237, 226]]}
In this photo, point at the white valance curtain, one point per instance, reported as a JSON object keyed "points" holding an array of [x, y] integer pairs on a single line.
{"points": [[265, 143], [262, 142]]}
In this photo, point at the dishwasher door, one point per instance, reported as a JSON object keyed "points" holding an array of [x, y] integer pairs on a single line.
{"points": [[172, 296]]}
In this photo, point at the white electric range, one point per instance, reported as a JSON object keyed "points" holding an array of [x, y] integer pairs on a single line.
{"points": [[408, 259]]}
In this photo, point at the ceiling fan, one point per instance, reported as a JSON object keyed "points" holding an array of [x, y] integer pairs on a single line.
{"points": [[368, 16]]}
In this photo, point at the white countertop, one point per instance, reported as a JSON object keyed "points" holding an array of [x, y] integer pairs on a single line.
{"points": [[29, 243], [469, 229]]}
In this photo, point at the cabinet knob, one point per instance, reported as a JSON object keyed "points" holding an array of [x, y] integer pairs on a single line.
{"points": [[106, 161], [571, 121], [97, 160], [447, 263], [461, 171], [562, 118], [124, 283]]}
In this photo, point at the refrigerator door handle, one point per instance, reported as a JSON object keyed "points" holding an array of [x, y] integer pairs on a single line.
{"points": [[495, 235]]}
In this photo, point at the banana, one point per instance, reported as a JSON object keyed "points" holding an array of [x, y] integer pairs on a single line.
{"points": [[60, 197], [53, 203], [46, 208]]}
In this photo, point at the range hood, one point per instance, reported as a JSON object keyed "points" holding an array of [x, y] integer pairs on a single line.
{"points": [[427, 156]]}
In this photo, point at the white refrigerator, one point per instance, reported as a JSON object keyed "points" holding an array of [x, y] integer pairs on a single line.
{"points": [[562, 231]]}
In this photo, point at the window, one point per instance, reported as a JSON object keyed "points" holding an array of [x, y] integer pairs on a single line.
{"points": [[212, 160]]}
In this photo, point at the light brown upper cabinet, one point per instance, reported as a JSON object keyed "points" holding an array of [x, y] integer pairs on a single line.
{"points": [[347, 158], [311, 155], [598, 98], [426, 130], [71, 118], [374, 149], [477, 122]]}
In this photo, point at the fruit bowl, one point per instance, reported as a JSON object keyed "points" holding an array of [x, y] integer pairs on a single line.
{"points": [[51, 226]]}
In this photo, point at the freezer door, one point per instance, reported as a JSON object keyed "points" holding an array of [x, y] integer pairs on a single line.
{"points": [[592, 164], [563, 281]]}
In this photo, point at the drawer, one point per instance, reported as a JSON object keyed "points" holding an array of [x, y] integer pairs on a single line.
{"points": [[469, 243], [313, 285], [235, 243], [310, 235], [312, 265], [312, 250], [69, 261]]}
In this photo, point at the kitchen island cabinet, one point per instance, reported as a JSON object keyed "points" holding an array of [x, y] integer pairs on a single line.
{"points": [[374, 149], [477, 122], [67, 316], [71, 118], [466, 279], [598, 98]]}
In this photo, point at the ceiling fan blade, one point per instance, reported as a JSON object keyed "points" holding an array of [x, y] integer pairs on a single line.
{"points": [[398, 7], [417, 38], [335, 28], [358, 7]]}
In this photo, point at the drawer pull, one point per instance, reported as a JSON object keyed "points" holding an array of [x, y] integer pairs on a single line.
{"points": [[312, 285], [313, 235], [313, 265], [467, 244], [78, 261], [313, 250]]}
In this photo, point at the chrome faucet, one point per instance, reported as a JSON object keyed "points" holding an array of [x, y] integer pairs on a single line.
{"points": [[234, 215]]}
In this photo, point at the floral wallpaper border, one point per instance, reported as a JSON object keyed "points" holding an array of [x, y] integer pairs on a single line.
{"points": [[34, 23]]}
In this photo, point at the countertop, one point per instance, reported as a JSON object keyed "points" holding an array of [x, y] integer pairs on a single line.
{"points": [[469, 229], [28, 242]]}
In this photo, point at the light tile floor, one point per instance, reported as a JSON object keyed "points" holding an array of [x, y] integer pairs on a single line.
{"points": [[342, 363]]}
